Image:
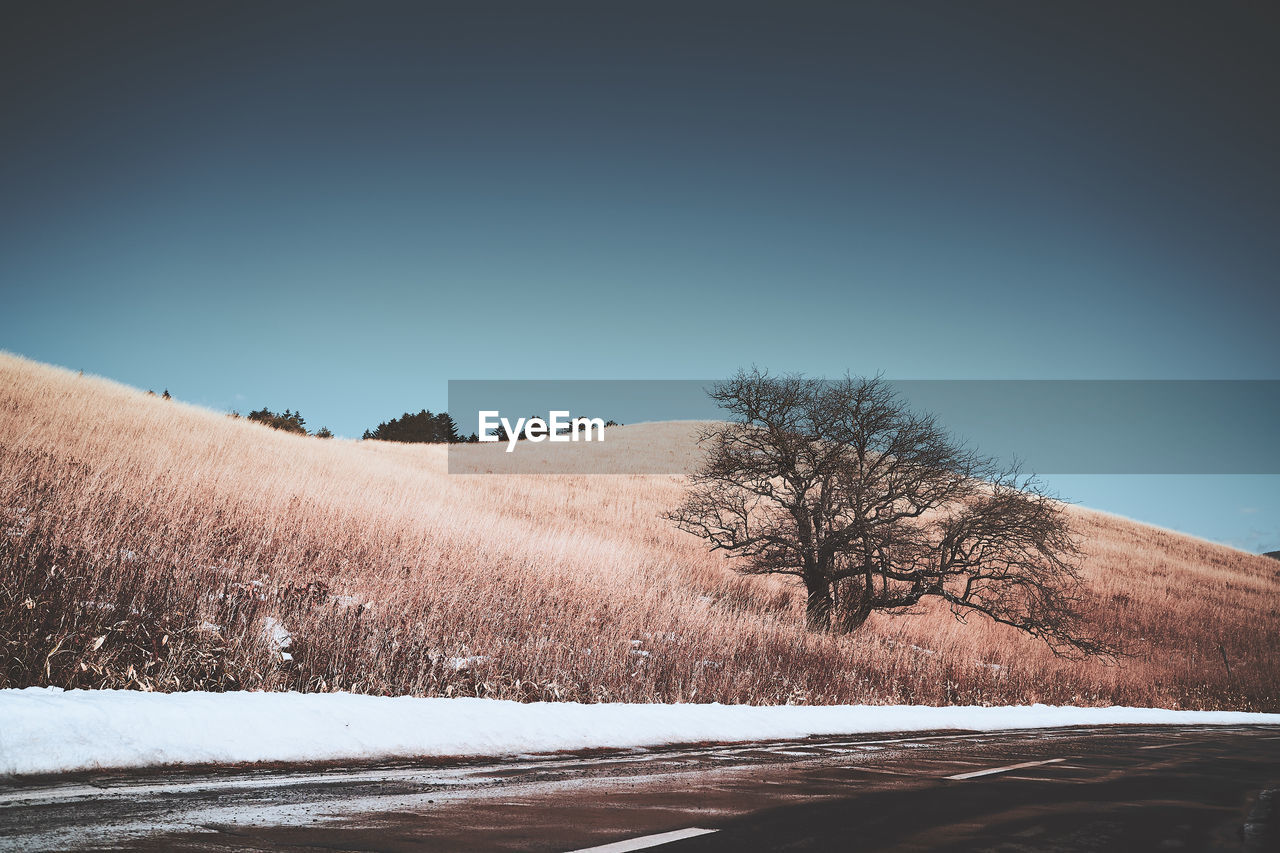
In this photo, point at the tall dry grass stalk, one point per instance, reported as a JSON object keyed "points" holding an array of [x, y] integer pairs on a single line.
{"points": [[156, 545]]}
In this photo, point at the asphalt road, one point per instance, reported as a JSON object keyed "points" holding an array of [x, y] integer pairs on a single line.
{"points": [[1116, 788]]}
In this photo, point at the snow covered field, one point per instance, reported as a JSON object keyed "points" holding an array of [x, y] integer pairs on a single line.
{"points": [[45, 730]]}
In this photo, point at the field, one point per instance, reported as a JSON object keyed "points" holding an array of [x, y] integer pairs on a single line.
{"points": [[156, 545]]}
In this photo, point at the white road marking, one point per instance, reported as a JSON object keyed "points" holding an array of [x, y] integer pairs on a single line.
{"points": [[647, 841], [1172, 743], [861, 769], [976, 773]]}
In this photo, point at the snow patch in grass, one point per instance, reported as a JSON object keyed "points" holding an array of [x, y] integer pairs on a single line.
{"points": [[276, 633]]}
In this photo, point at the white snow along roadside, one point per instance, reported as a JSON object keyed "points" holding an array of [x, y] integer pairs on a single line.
{"points": [[47, 730]]}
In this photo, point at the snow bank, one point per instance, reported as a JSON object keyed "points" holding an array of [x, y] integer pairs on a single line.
{"points": [[45, 730]]}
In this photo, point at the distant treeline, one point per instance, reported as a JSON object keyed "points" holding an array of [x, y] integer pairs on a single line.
{"points": [[424, 427]]}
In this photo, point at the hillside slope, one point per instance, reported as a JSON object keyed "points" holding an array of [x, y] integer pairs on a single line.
{"points": [[157, 545]]}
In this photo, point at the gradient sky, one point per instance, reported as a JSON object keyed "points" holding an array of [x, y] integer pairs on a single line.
{"points": [[337, 207]]}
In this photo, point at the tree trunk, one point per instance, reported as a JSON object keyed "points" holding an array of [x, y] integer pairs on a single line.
{"points": [[818, 606], [853, 603], [851, 618]]}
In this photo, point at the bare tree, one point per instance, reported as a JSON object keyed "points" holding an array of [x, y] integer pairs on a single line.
{"points": [[874, 507]]}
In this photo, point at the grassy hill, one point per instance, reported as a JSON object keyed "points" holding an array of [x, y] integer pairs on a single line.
{"points": [[156, 545]]}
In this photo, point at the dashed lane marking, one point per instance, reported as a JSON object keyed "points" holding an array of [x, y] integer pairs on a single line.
{"points": [[976, 773], [647, 841], [862, 769]]}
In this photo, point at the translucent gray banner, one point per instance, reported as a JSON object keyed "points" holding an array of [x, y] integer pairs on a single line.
{"points": [[1051, 426]]}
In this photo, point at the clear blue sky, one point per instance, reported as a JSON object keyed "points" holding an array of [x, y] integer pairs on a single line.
{"points": [[337, 207]]}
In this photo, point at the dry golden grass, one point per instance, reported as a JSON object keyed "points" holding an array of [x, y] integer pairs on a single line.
{"points": [[150, 543]]}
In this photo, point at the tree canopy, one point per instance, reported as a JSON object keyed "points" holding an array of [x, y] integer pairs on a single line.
{"points": [[289, 421], [421, 427]]}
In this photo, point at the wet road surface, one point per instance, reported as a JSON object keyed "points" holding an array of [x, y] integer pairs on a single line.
{"points": [[1105, 788]]}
